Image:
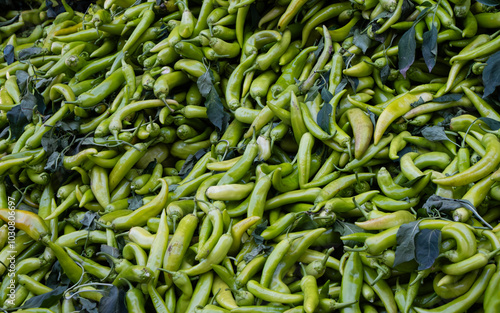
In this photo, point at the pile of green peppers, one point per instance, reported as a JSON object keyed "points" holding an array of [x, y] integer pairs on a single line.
{"points": [[250, 156]]}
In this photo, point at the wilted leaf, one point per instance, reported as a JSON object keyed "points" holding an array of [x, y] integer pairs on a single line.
{"points": [[113, 301], [361, 40], [205, 84], [29, 53], [406, 51]]}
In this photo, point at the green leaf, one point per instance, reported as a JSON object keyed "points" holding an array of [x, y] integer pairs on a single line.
{"points": [[430, 47], [405, 238], [434, 133], [491, 74], [323, 291], [427, 247], [17, 121]]}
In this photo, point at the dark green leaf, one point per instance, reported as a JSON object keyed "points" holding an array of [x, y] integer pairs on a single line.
{"points": [[205, 84], [405, 238], [134, 202], [320, 46], [354, 82], [373, 117], [88, 306], [150, 167], [114, 252], [415, 104], [258, 230], [406, 52], [324, 117], [45, 300], [344, 229], [312, 93], [17, 121], [57, 277], [361, 40], [254, 16], [113, 301], [434, 133], [449, 97], [53, 11], [190, 162], [407, 9], [427, 247], [215, 111], [260, 249], [88, 219], [28, 102], [305, 222], [8, 54], [29, 53], [491, 74], [54, 162], [326, 95], [430, 47], [341, 85], [22, 78], [492, 123], [384, 73], [411, 182], [443, 204], [49, 144], [69, 126], [323, 291]]}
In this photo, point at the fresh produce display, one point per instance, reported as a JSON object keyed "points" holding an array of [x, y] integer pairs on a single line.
{"points": [[250, 156]]}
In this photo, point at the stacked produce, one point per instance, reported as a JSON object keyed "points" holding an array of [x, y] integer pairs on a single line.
{"points": [[250, 156]]}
